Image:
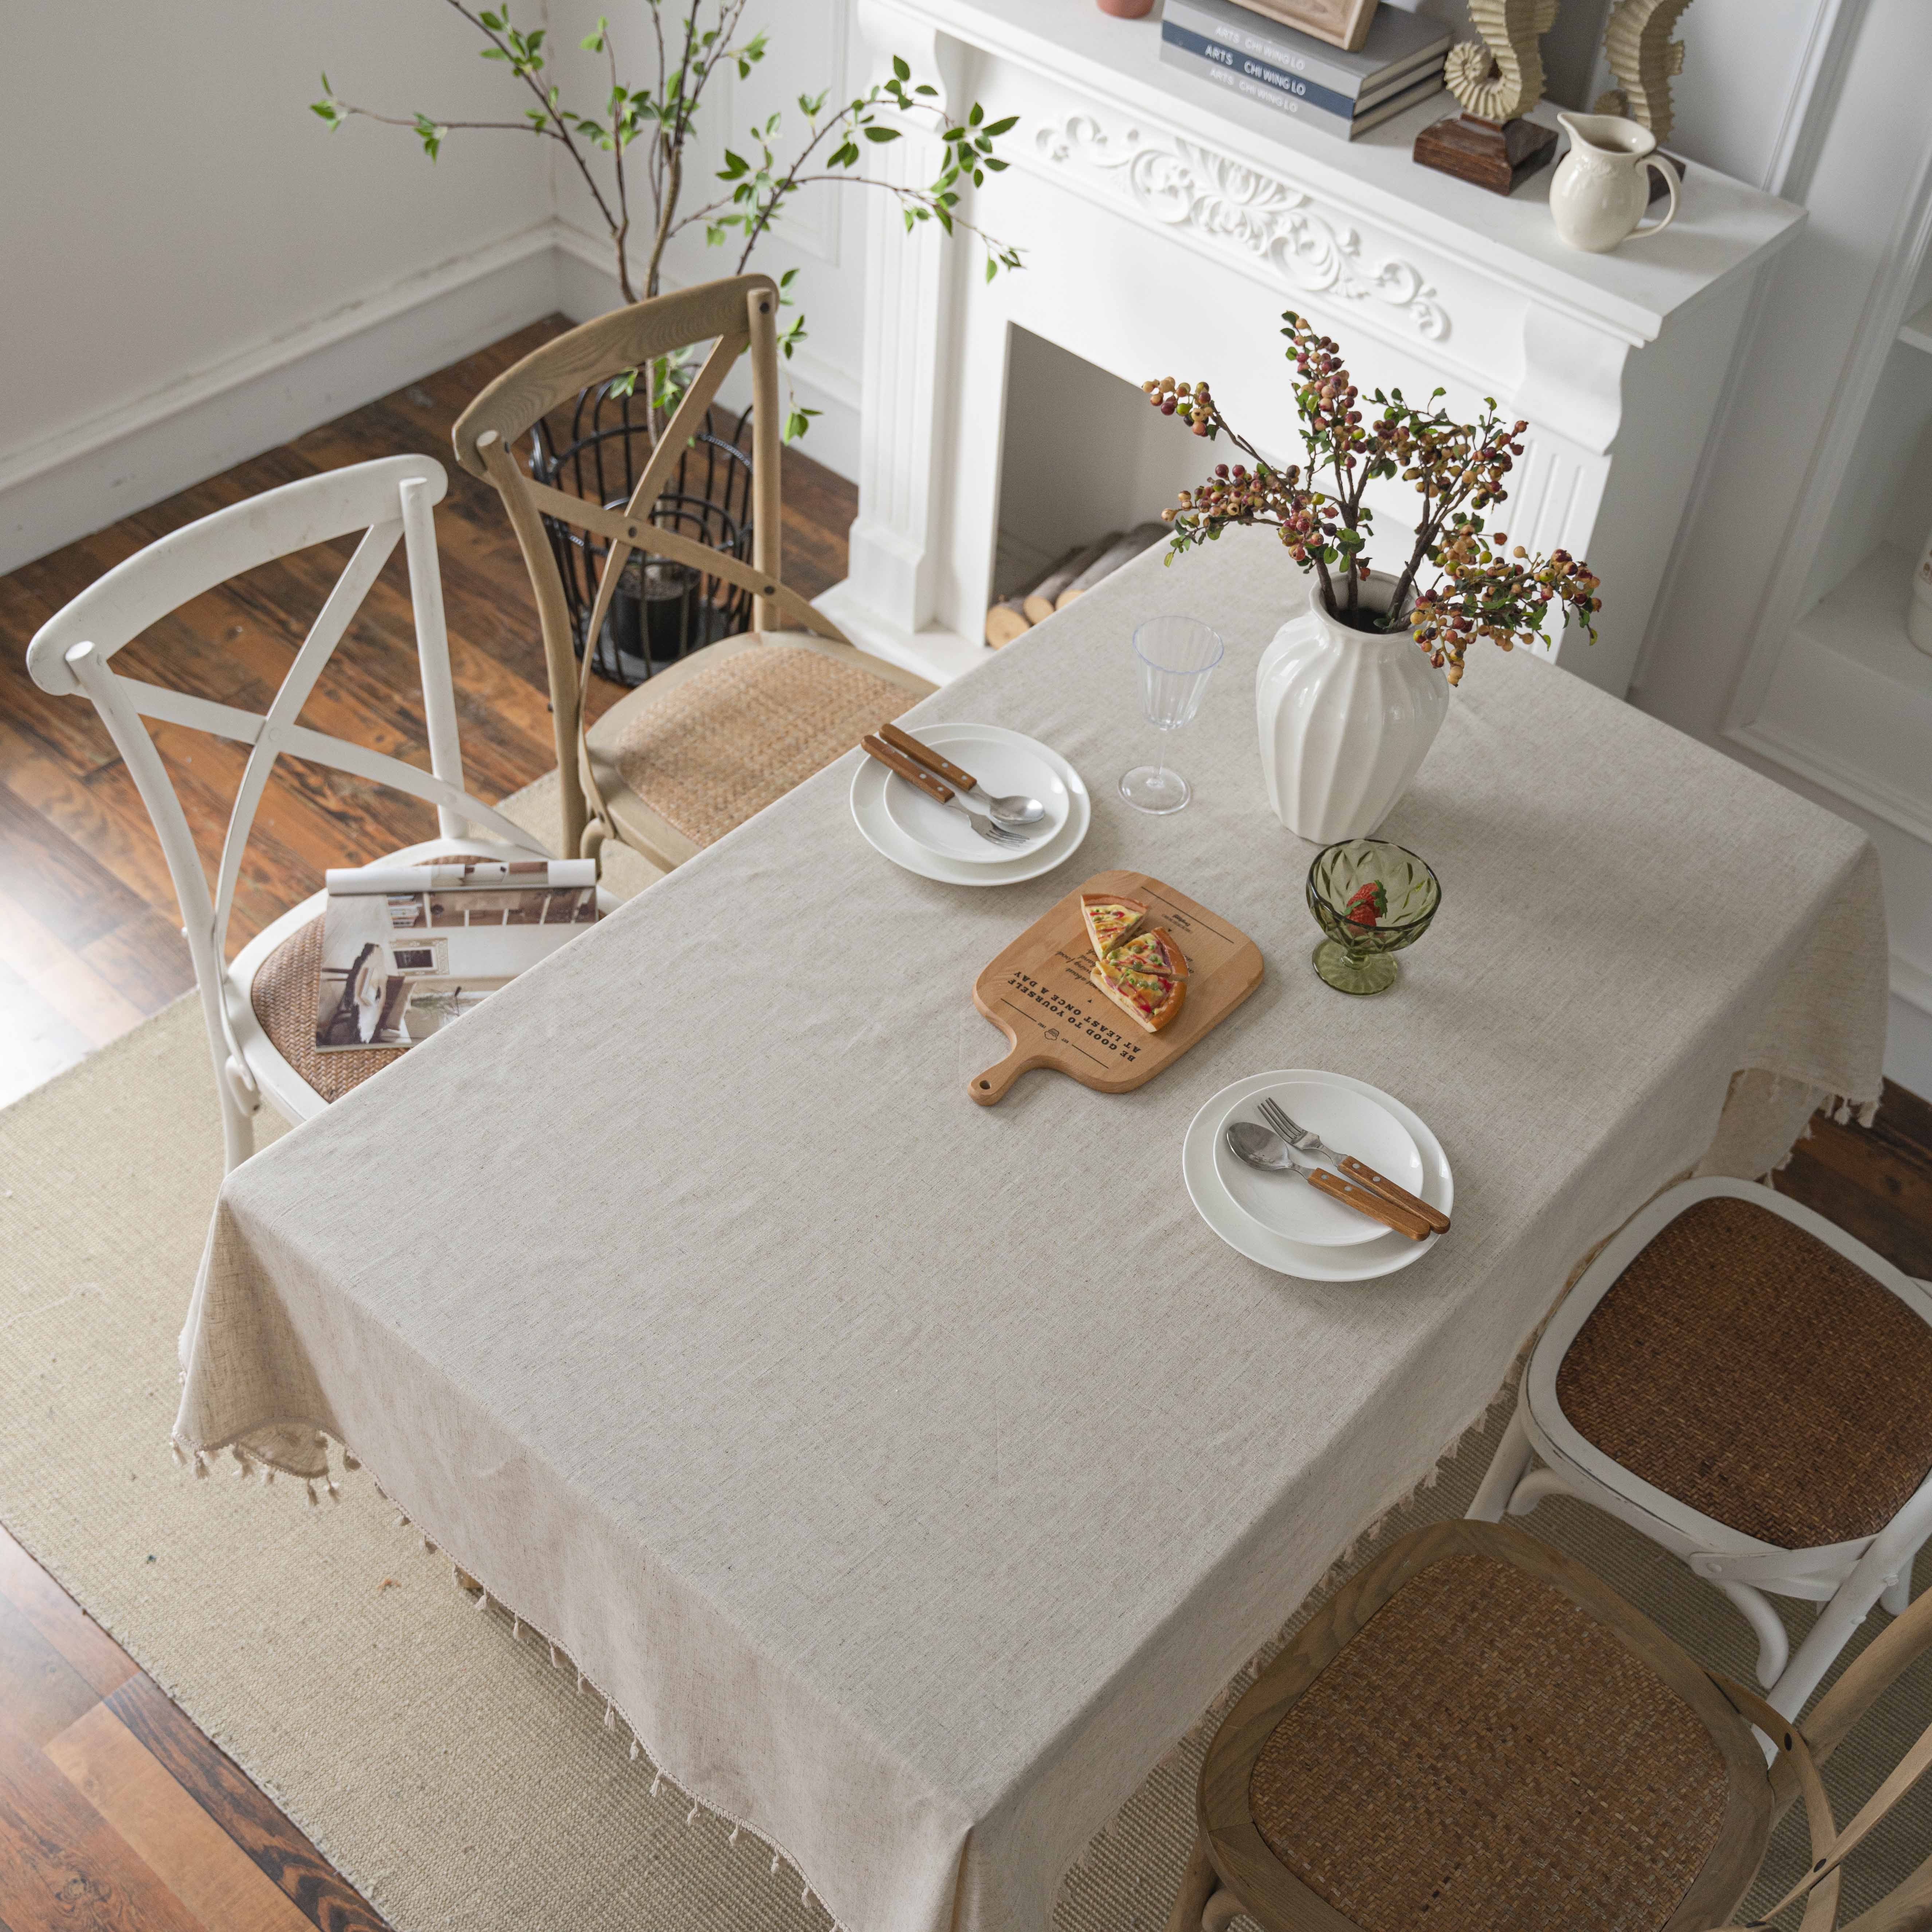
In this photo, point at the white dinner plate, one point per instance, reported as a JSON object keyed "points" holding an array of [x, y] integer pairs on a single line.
{"points": [[874, 822], [1344, 1119], [1383, 1255], [1004, 765]]}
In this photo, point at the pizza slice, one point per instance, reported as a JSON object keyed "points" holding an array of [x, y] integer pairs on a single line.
{"points": [[1147, 980], [1109, 920], [1151, 953]]}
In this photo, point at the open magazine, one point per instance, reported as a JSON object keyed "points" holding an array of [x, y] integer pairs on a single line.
{"points": [[407, 948]]}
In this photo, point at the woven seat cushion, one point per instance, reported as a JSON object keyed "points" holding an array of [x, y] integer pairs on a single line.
{"points": [[1744, 1367], [727, 742], [1484, 1755]]}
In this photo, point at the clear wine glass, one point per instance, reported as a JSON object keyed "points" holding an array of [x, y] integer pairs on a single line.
{"points": [[1176, 656]]}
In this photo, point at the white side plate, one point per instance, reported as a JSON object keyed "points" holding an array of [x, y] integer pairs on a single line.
{"points": [[1002, 768], [1383, 1255], [869, 780]]}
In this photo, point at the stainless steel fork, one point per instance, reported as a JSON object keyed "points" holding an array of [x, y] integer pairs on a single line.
{"points": [[1303, 1140], [1306, 1140]]}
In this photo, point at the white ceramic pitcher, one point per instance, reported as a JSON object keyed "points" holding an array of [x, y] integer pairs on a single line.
{"points": [[1601, 188]]}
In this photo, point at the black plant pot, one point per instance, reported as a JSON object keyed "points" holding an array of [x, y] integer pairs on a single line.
{"points": [[660, 611]]}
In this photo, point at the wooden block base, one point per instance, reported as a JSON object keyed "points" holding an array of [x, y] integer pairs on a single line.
{"points": [[1499, 158], [1658, 192]]}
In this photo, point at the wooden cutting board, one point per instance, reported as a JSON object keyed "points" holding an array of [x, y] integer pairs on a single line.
{"points": [[1038, 993]]}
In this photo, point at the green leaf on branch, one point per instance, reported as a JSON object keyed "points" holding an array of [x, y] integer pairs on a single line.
{"points": [[882, 133], [902, 71]]}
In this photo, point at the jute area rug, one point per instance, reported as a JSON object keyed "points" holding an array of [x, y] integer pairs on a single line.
{"points": [[448, 1771]]}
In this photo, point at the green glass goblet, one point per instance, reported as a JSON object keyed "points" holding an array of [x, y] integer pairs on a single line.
{"points": [[1370, 899]]}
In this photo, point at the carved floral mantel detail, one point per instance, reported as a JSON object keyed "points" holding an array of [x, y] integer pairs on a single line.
{"points": [[1186, 185]]}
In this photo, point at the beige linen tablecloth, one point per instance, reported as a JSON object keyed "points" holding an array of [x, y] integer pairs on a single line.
{"points": [[911, 1474]]}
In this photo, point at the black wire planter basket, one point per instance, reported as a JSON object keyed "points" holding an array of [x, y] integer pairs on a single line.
{"points": [[662, 611]]}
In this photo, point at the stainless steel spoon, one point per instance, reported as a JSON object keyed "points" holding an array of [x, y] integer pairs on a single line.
{"points": [[1015, 808], [1259, 1148]]}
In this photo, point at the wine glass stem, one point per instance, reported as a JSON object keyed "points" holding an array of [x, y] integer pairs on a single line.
{"points": [[1159, 758]]}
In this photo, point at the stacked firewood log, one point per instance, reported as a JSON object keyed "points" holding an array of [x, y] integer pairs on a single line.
{"points": [[1072, 576]]}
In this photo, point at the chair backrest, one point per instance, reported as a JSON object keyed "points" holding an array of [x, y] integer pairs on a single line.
{"points": [[388, 499], [739, 316], [1907, 1907]]}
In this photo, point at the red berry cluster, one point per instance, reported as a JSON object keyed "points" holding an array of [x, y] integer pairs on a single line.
{"points": [[1325, 521], [1189, 401]]}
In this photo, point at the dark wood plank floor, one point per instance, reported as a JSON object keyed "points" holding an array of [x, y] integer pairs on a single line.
{"points": [[90, 942], [115, 1810]]}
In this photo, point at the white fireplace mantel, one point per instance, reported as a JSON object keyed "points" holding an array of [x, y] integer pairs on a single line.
{"points": [[1165, 222]]}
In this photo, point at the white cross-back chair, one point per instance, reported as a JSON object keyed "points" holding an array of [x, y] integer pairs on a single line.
{"points": [[387, 500], [1750, 1387]]}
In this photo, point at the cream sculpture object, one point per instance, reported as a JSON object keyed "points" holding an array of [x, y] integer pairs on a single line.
{"points": [[1643, 57], [1918, 612], [1500, 77]]}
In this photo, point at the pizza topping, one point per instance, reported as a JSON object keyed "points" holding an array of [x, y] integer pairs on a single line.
{"points": [[1151, 953], [1109, 921], [1148, 978]]}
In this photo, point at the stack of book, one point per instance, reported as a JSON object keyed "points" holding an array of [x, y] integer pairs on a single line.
{"points": [[1399, 64]]}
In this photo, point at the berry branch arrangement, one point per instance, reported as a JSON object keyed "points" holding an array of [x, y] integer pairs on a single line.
{"points": [[690, 43], [1481, 587]]}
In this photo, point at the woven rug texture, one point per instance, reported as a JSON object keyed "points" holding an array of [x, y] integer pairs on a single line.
{"points": [[448, 1771]]}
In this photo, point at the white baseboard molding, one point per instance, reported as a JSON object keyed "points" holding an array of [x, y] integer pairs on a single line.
{"points": [[939, 655], [1908, 1039], [92, 473], [95, 472]]}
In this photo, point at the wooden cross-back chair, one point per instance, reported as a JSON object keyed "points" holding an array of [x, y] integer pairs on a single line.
{"points": [[260, 1010], [1476, 1734], [702, 744]]}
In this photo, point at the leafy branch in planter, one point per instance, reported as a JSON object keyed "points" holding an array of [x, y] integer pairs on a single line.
{"points": [[701, 38], [1326, 523]]}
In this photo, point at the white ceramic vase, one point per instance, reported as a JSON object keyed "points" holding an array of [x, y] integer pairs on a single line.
{"points": [[1346, 719]]}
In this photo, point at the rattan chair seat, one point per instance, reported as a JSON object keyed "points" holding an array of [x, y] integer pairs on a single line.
{"points": [[748, 720], [1741, 1366], [1483, 1754]]}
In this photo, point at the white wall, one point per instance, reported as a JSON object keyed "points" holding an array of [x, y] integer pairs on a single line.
{"points": [[1850, 147], [813, 48], [196, 268]]}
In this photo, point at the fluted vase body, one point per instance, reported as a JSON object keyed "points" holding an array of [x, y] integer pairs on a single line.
{"points": [[1346, 718]]}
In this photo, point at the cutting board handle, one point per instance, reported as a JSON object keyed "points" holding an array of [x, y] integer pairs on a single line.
{"points": [[990, 1088]]}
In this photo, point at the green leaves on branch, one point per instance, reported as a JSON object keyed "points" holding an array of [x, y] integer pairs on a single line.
{"points": [[693, 40], [331, 110]]}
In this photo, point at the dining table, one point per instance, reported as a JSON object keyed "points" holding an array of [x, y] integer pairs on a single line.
{"points": [[910, 1475]]}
